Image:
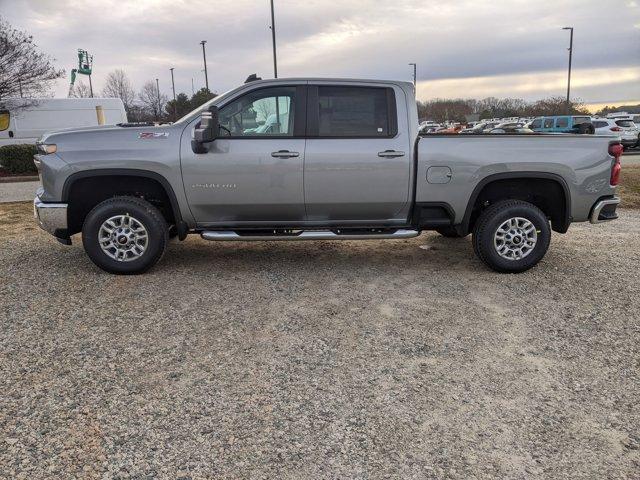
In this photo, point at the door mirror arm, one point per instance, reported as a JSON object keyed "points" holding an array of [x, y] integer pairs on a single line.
{"points": [[207, 131]]}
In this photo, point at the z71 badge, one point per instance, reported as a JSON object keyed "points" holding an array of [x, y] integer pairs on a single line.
{"points": [[146, 135]]}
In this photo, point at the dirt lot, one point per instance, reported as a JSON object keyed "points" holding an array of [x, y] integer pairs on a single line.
{"points": [[321, 360]]}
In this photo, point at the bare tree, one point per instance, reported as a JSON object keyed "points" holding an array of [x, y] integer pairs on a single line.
{"points": [[24, 70], [118, 85], [81, 90], [153, 103]]}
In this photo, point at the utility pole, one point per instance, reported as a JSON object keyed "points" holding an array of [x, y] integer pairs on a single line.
{"points": [[204, 56], [90, 86], [175, 106], [414, 75], [158, 91], [569, 75], [273, 39]]}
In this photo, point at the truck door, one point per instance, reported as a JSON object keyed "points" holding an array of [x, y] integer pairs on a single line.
{"points": [[252, 173], [358, 155]]}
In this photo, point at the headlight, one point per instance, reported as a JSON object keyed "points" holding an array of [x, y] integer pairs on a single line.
{"points": [[47, 149]]}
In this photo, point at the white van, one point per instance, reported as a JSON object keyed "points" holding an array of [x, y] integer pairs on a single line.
{"points": [[30, 123]]}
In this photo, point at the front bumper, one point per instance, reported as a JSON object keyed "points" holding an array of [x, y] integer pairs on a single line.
{"points": [[604, 210], [52, 218]]}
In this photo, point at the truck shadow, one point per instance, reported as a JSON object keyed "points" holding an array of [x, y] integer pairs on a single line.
{"points": [[426, 251]]}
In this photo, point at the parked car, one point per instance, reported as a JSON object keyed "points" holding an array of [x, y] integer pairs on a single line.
{"points": [[329, 172], [35, 117], [563, 124], [625, 128], [511, 129], [635, 117], [482, 127]]}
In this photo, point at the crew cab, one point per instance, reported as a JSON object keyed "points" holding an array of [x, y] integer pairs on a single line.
{"points": [[317, 159]]}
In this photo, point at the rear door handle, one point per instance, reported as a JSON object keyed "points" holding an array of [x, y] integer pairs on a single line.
{"points": [[284, 154], [391, 154]]}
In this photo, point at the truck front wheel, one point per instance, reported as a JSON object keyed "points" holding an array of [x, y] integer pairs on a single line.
{"points": [[125, 235], [511, 236]]}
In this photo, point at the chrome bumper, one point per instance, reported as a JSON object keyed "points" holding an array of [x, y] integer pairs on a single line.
{"points": [[52, 217], [597, 214]]}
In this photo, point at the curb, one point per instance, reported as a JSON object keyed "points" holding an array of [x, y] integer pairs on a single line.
{"points": [[30, 178]]}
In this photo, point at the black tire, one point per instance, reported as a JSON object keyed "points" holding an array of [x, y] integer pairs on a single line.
{"points": [[449, 232], [493, 218], [586, 128], [142, 213]]}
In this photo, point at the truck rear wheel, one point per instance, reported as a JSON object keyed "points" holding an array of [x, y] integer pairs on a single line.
{"points": [[511, 236], [125, 235]]}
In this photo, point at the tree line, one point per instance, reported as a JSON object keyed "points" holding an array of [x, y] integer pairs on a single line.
{"points": [[458, 110], [147, 104]]}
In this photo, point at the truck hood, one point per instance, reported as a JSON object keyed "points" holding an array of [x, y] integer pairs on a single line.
{"points": [[91, 147], [109, 131]]}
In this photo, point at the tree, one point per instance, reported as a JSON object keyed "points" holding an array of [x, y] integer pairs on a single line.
{"points": [[81, 90], [153, 104], [200, 97], [178, 108], [117, 85], [24, 70]]}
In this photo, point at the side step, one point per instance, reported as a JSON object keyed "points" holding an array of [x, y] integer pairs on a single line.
{"points": [[232, 236]]}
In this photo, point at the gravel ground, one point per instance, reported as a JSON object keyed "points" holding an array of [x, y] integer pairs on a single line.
{"points": [[385, 359], [17, 191]]}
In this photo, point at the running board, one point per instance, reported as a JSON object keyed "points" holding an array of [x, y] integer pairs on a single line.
{"points": [[232, 236]]}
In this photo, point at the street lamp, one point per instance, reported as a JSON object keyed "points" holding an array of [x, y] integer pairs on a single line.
{"points": [[414, 74], [158, 91], [569, 75], [204, 56], [273, 40], [173, 86]]}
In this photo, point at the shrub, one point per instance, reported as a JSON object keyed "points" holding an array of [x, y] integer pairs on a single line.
{"points": [[18, 159]]}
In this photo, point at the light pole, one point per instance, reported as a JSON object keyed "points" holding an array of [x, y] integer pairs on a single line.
{"points": [[173, 87], [414, 75], [273, 39], [569, 75], [204, 57], [158, 92], [193, 91]]}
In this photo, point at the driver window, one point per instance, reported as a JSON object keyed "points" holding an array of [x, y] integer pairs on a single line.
{"points": [[264, 112]]}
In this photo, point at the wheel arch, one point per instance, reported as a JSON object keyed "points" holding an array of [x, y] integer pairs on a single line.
{"points": [[128, 173], [560, 220]]}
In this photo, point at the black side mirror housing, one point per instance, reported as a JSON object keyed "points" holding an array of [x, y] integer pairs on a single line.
{"points": [[206, 131]]}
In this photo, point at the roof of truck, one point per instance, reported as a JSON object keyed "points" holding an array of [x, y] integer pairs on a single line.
{"points": [[329, 79]]}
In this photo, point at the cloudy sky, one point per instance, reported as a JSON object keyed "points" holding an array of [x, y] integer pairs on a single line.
{"points": [[463, 48]]}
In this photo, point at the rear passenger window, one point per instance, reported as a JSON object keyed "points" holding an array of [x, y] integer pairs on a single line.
{"points": [[562, 122], [354, 112], [537, 123], [548, 123]]}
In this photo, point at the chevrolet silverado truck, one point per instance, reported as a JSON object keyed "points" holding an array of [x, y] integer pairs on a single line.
{"points": [[317, 159]]}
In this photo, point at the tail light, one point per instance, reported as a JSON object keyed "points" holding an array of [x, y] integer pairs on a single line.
{"points": [[615, 151], [616, 129]]}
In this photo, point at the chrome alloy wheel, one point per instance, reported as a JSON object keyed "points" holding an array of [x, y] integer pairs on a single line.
{"points": [[515, 238], [123, 238]]}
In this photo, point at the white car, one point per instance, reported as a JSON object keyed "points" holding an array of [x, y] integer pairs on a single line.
{"points": [[626, 128]]}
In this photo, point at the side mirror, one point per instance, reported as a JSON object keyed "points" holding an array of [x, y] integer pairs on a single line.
{"points": [[207, 131]]}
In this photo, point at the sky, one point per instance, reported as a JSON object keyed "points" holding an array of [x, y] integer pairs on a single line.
{"points": [[463, 48]]}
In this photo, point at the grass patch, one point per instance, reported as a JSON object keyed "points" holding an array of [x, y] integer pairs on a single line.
{"points": [[629, 188]]}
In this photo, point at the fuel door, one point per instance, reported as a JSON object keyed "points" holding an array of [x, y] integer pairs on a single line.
{"points": [[439, 175]]}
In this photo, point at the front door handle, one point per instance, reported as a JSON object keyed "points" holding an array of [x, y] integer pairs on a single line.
{"points": [[284, 154], [391, 154]]}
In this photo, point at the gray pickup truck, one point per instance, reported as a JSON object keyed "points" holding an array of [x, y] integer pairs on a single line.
{"points": [[317, 159]]}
